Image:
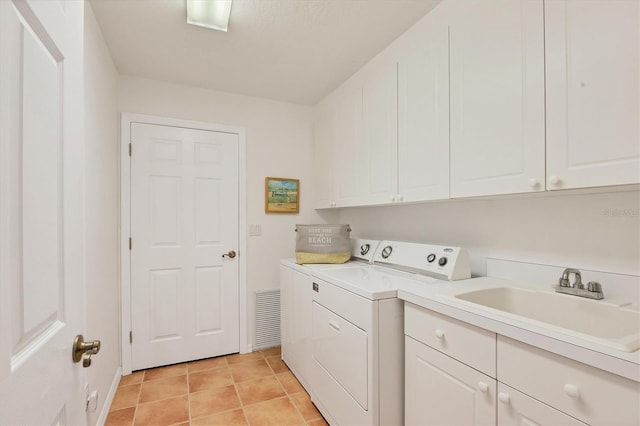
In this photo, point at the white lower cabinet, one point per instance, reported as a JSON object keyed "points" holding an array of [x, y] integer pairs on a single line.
{"points": [[443, 391], [589, 394], [516, 408], [532, 386]]}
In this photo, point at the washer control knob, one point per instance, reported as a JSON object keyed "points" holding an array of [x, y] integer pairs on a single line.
{"points": [[364, 249], [431, 258], [386, 252], [442, 261]]}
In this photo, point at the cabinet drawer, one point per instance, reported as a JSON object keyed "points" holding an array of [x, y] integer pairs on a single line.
{"points": [[584, 392], [471, 345], [516, 408]]}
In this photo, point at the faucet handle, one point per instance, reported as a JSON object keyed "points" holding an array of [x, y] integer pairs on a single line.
{"points": [[594, 287], [563, 282]]}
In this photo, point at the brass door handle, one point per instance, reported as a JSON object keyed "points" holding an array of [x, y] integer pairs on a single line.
{"points": [[84, 350], [231, 254]]}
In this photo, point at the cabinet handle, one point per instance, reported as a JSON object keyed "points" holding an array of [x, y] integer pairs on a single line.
{"points": [[503, 397], [393, 199], [399, 197], [334, 325], [572, 390], [440, 334], [483, 386], [554, 180], [533, 183]]}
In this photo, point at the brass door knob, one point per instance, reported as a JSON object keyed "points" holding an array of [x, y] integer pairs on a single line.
{"points": [[230, 255], [84, 350]]}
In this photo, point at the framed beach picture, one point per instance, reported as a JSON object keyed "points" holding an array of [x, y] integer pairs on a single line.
{"points": [[281, 195]]}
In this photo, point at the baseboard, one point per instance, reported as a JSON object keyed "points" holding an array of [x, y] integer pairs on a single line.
{"points": [[102, 419], [248, 349]]}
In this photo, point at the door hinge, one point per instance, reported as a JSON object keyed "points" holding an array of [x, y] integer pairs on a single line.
{"points": [[130, 243], [130, 336], [129, 150]]}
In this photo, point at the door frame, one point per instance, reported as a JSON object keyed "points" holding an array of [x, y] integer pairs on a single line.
{"points": [[126, 119]]}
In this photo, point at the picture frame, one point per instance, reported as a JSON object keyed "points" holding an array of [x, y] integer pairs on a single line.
{"points": [[281, 195]]}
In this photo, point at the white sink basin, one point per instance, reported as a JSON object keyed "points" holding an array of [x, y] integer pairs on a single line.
{"points": [[594, 320]]}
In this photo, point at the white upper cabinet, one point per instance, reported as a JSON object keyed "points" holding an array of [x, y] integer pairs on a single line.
{"points": [[323, 167], [350, 182], [380, 118], [423, 118], [497, 97], [592, 57], [488, 97]]}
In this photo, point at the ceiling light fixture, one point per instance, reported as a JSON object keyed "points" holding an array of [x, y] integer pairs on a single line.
{"points": [[212, 14]]}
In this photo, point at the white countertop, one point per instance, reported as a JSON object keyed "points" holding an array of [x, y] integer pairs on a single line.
{"points": [[438, 297], [377, 283]]}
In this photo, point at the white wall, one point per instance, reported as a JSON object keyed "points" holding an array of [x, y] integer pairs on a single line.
{"points": [[594, 231], [279, 143], [102, 210]]}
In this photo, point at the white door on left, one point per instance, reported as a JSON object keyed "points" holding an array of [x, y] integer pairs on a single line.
{"points": [[41, 289]]}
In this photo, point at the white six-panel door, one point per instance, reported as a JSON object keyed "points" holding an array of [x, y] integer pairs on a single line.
{"points": [[41, 288], [184, 218]]}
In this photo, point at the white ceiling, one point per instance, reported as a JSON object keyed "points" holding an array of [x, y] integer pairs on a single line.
{"points": [[288, 50]]}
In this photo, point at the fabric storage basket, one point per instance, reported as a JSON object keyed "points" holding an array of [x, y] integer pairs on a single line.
{"points": [[322, 243]]}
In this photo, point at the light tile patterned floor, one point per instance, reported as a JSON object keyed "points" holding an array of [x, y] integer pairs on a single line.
{"points": [[249, 389]]}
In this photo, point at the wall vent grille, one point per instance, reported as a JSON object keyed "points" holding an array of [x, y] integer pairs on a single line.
{"points": [[267, 319]]}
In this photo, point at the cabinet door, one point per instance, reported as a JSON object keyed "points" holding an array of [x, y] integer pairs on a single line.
{"points": [[286, 314], [348, 152], [302, 302], [497, 97], [516, 408], [423, 119], [442, 391], [380, 114], [323, 167], [295, 321], [592, 54]]}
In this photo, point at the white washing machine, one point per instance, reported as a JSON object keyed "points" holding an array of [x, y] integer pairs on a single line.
{"points": [[354, 357]]}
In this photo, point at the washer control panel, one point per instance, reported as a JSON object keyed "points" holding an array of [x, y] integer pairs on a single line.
{"points": [[444, 262]]}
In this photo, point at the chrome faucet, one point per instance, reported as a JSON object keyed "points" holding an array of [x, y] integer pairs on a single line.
{"points": [[593, 290], [564, 280]]}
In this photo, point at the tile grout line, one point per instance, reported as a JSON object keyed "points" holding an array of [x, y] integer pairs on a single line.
{"points": [[135, 411], [235, 387], [287, 394], [188, 395]]}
